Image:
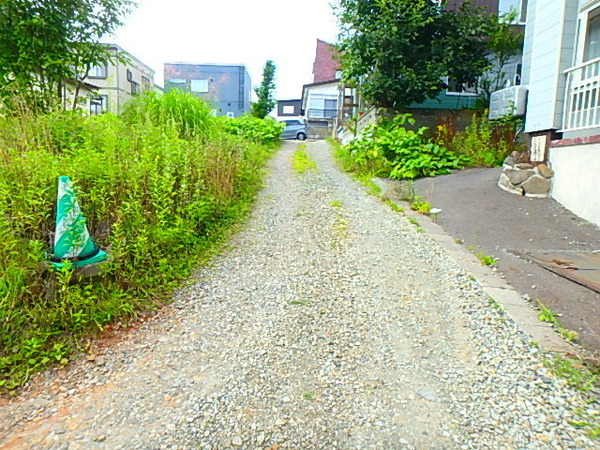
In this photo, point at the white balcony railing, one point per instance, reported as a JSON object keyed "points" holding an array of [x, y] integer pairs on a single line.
{"points": [[582, 105]]}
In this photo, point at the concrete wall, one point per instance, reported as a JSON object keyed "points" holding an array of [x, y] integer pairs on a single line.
{"points": [[548, 52], [576, 179], [228, 87]]}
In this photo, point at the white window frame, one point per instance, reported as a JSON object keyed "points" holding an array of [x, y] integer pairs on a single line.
{"points": [[98, 71], [199, 86]]}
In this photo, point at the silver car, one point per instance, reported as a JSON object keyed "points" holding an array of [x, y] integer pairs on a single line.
{"points": [[294, 129]]}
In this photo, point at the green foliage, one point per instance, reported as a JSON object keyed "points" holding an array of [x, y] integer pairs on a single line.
{"points": [[546, 315], [398, 52], [265, 92], [391, 149], [44, 44], [188, 116], [158, 196], [263, 131], [505, 41], [484, 143], [302, 163]]}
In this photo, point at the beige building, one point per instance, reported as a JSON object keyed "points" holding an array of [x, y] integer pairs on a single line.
{"points": [[117, 82]]}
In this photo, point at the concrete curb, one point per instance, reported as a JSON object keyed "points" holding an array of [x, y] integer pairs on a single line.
{"points": [[493, 285]]}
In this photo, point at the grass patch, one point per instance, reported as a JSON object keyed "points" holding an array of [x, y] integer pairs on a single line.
{"points": [[302, 162]]}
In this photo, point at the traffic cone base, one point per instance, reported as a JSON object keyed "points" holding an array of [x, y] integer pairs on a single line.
{"points": [[73, 244]]}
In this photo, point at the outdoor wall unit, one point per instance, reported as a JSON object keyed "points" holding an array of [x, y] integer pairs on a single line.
{"points": [[509, 101]]}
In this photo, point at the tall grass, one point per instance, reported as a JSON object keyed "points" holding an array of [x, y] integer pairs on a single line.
{"points": [[159, 187]]}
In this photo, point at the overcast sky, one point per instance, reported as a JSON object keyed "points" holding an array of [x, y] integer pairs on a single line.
{"points": [[231, 32]]}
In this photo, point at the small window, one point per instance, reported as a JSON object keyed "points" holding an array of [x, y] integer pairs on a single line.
{"points": [[230, 114], [129, 75], [288, 109], [98, 105], [100, 71], [145, 83], [454, 88], [200, 86], [176, 81], [135, 88]]}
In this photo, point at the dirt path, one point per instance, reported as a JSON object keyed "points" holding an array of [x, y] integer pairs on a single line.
{"points": [[331, 323]]}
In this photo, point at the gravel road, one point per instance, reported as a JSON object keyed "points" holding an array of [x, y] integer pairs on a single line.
{"points": [[331, 322]]}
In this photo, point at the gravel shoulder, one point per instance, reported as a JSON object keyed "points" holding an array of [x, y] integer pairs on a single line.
{"points": [[330, 323]]}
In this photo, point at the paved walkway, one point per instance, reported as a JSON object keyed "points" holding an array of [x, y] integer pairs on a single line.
{"points": [[493, 221], [332, 322]]}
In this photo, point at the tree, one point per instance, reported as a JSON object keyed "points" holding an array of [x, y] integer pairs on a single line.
{"points": [[45, 43], [400, 52], [505, 42], [265, 92]]}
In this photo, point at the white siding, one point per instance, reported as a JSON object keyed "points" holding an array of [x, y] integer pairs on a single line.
{"points": [[549, 42]]}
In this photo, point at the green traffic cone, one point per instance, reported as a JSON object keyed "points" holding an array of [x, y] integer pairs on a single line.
{"points": [[72, 240]]}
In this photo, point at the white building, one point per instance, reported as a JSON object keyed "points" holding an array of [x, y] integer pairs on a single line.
{"points": [[118, 81], [561, 69]]}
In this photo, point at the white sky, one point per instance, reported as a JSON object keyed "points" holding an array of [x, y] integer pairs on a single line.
{"points": [[231, 32]]}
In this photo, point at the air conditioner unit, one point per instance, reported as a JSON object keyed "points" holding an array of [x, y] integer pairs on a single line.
{"points": [[510, 101]]}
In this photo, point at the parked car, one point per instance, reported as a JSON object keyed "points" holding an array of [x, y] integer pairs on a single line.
{"points": [[294, 129]]}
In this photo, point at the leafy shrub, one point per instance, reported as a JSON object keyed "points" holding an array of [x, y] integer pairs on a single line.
{"points": [[264, 131], [190, 116], [484, 143], [390, 149], [157, 195]]}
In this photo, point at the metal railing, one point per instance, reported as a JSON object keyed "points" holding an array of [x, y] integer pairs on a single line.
{"points": [[327, 114], [582, 96]]}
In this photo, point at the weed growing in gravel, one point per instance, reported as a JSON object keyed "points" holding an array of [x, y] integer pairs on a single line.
{"points": [[302, 163], [585, 379], [308, 396], [298, 302], [414, 221], [393, 206], [336, 204], [546, 315], [485, 260], [494, 304]]}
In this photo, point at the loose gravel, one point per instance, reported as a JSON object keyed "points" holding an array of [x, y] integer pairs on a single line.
{"points": [[332, 322]]}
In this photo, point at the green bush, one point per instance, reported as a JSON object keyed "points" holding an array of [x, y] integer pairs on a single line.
{"points": [[264, 131], [188, 115], [390, 149], [484, 143], [159, 188]]}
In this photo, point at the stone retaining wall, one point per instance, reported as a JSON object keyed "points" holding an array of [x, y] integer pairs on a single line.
{"points": [[526, 179]]}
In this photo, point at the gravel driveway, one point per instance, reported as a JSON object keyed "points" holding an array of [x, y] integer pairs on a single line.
{"points": [[330, 323]]}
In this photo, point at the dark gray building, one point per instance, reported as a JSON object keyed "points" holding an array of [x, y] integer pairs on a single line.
{"points": [[227, 87]]}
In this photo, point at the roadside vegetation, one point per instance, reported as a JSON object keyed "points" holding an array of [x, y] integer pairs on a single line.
{"points": [[393, 148], [159, 186]]}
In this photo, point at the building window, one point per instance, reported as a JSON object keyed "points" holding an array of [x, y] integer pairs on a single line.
{"points": [[288, 109], [200, 86], [591, 48], [135, 88], [98, 105], [456, 88], [519, 7], [100, 71], [146, 83], [230, 114]]}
